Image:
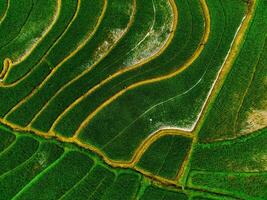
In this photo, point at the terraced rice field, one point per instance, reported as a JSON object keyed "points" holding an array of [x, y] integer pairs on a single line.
{"points": [[133, 99]]}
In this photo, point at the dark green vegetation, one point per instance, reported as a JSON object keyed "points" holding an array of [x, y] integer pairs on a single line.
{"points": [[53, 170], [36, 19], [12, 19], [133, 99], [165, 156], [241, 103], [119, 56], [157, 194], [238, 167]]}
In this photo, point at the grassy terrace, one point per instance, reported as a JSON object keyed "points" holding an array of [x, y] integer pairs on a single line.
{"points": [[238, 100], [130, 44], [133, 99], [162, 159], [3, 10], [69, 172], [236, 156], [68, 12], [14, 20], [54, 81], [37, 24], [44, 68]]}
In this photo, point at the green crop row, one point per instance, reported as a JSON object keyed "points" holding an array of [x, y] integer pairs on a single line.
{"points": [[68, 29], [76, 64], [164, 102], [141, 28], [40, 18], [41, 169], [30, 164], [251, 114], [46, 46], [171, 99], [247, 75], [236, 166], [157, 194], [246, 186], [184, 27], [240, 155], [20, 150], [3, 10], [165, 156], [6, 140], [13, 180], [13, 22], [100, 71]]}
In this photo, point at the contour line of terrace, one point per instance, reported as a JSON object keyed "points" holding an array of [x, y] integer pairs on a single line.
{"points": [[8, 63], [226, 67], [63, 154], [124, 70], [255, 66], [21, 27], [88, 37], [5, 12], [146, 142], [91, 34], [157, 79]]}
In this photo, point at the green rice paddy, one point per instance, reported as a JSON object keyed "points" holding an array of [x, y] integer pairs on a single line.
{"points": [[133, 99]]}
